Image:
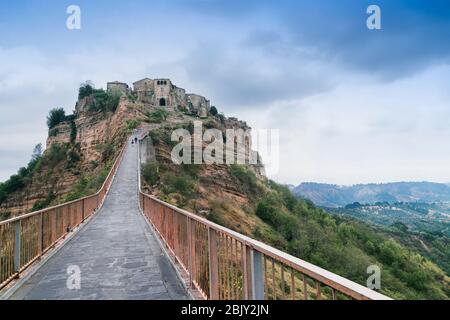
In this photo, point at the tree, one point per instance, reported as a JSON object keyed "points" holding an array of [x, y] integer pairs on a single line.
{"points": [[213, 111], [86, 89], [37, 152], [55, 117]]}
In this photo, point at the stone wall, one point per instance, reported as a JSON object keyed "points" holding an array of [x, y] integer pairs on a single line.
{"points": [[117, 86]]}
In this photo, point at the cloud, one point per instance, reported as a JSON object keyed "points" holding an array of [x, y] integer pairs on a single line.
{"points": [[352, 105], [253, 71], [413, 36], [366, 132]]}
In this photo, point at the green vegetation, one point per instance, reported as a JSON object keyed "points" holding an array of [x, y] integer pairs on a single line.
{"points": [[18, 181], [423, 227], [102, 101], [158, 115], [88, 185], [213, 111], [42, 204], [132, 124], [161, 136], [86, 89], [106, 149], [73, 132], [346, 247], [150, 173], [179, 184], [247, 179], [5, 215], [339, 244], [55, 117]]}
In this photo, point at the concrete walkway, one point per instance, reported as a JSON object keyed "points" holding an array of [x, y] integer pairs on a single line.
{"points": [[116, 252]]}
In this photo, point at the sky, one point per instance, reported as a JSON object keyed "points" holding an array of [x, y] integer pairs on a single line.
{"points": [[353, 105]]}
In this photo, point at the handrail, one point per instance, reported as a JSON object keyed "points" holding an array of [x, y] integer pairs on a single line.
{"points": [[25, 238], [69, 202], [224, 264]]}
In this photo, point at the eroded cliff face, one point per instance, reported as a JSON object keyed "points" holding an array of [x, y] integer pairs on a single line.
{"points": [[99, 137], [86, 144], [210, 190]]}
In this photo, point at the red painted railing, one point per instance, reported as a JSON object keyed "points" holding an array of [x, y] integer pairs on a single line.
{"points": [[223, 264], [24, 239]]}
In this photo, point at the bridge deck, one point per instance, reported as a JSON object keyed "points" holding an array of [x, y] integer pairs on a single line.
{"points": [[117, 253]]}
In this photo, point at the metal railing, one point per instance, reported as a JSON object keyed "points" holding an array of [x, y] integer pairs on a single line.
{"points": [[24, 239], [222, 264]]}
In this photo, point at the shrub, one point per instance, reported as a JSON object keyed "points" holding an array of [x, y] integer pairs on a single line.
{"points": [[5, 215], [182, 184], [150, 173], [247, 178], [74, 158], [213, 111], [55, 117], [88, 185], [73, 132], [158, 115], [86, 89], [132, 124], [42, 204], [55, 154], [104, 101], [106, 149]]}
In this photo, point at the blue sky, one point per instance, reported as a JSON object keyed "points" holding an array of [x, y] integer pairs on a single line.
{"points": [[353, 105]]}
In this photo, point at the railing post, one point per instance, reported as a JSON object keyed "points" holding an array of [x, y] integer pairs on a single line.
{"points": [[189, 248], [82, 210], [247, 281], [41, 236], [257, 275], [192, 253], [17, 246], [213, 265]]}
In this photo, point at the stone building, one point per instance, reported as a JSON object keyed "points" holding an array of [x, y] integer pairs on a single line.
{"points": [[162, 93], [118, 86], [200, 105]]}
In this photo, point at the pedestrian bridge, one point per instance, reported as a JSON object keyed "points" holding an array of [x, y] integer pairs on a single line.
{"points": [[121, 243]]}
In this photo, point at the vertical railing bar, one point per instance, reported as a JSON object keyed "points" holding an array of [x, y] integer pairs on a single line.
{"points": [[189, 248], [227, 274], [266, 280], [236, 269], [274, 292], [318, 297], [232, 267], [220, 264], [293, 283], [213, 267], [305, 288], [282, 281], [244, 272], [17, 245]]}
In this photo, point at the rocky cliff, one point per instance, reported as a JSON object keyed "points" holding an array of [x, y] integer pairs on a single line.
{"points": [[81, 146]]}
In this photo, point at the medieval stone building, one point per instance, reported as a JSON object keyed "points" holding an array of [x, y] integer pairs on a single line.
{"points": [[118, 86], [162, 93], [156, 93]]}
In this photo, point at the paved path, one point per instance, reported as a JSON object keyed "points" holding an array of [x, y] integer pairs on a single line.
{"points": [[117, 253]]}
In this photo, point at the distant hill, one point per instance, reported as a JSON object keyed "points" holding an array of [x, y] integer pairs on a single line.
{"points": [[330, 195]]}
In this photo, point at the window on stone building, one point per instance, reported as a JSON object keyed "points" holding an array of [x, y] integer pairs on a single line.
{"points": [[162, 102]]}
